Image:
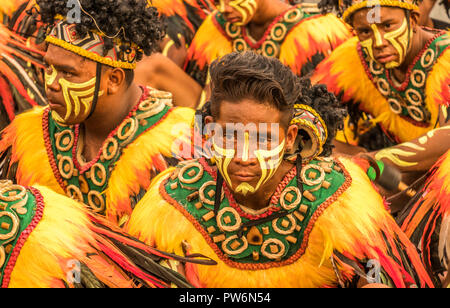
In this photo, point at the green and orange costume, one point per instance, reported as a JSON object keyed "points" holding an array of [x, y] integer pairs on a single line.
{"points": [[322, 237], [298, 39], [50, 241]]}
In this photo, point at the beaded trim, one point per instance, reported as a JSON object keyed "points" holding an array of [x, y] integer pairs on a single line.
{"points": [[90, 55], [86, 183], [224, 255], [24, 236], [400, 98]]}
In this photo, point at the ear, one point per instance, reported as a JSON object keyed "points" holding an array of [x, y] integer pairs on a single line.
{"points": [[115, 79], [414, 19], [291, 136], [209, 119]]}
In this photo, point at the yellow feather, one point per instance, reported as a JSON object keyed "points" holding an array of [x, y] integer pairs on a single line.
{"points": [[356, 85], [27, 139], [352, 221], [62, 235], [314, 35], [133, 171], [205, 51]]}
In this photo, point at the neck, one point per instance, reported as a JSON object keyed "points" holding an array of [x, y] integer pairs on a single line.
{"points": [[267, 11], [97, 128], [261, 198]]}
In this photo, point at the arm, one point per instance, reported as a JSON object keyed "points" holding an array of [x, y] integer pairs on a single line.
{"points": [[163, 74], [419, 154]]}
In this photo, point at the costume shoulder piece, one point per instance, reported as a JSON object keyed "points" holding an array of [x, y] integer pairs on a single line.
{"points": [[86, 181], [358, 87], [281, 237], [409, 99], [20, 212], [310, 40], [209, 43]]}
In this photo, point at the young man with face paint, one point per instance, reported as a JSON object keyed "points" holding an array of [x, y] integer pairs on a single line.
{"points": [[394, 77], [270, 207], [103, 137], [273, 28]]}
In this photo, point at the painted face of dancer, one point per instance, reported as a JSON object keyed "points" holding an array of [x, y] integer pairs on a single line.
{"points": [[70, 85], [386, 39], [250, 149], [238, 12]]}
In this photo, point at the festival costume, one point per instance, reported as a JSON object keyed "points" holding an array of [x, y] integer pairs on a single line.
{"points": [[298, 39], [399, 111], [21, 64], [45, 151], [403, 112], [427, 221], [50, 241], [184, 17], [319, 241]]}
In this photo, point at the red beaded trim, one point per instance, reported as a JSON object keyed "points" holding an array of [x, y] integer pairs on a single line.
{"points": [[86, 167], [267, 32], [260, 266], [24, 235], [411, 66], [408, 74], [274, 200], [48, 147]]}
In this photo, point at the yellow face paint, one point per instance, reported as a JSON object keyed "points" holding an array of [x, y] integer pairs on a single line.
{"points": [[75, 95], [246, 8], [50, 78], [269, 161], [399, 39]]}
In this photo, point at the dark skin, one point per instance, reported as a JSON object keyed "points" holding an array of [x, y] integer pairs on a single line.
{"points": [[427, 149], [162, 73], [261, 113], [113, 106], [390, 20], [266, 12]]}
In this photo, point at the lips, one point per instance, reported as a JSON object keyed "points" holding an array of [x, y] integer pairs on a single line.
{"points": [[232, 20], [385, 58], [244, 176]]}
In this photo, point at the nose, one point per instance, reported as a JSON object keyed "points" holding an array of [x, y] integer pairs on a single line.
{"points": [[379, 40], [246, 162], [51, 80]]}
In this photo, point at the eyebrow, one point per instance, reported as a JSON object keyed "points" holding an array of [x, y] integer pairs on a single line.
{"points": [[61, 67]]}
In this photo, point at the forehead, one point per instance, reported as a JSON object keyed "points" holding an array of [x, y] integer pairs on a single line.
{"points": [[248, 111], [58, 56], [377, 15]]}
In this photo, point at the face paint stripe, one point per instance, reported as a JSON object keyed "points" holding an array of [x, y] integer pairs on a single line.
{"points": [[50, 78], [74, 95], [377, 34]]}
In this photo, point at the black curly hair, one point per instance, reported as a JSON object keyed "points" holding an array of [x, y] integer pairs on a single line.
{"points": [[251, 76], [327, 106], [141, 23], [248, 75]]}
